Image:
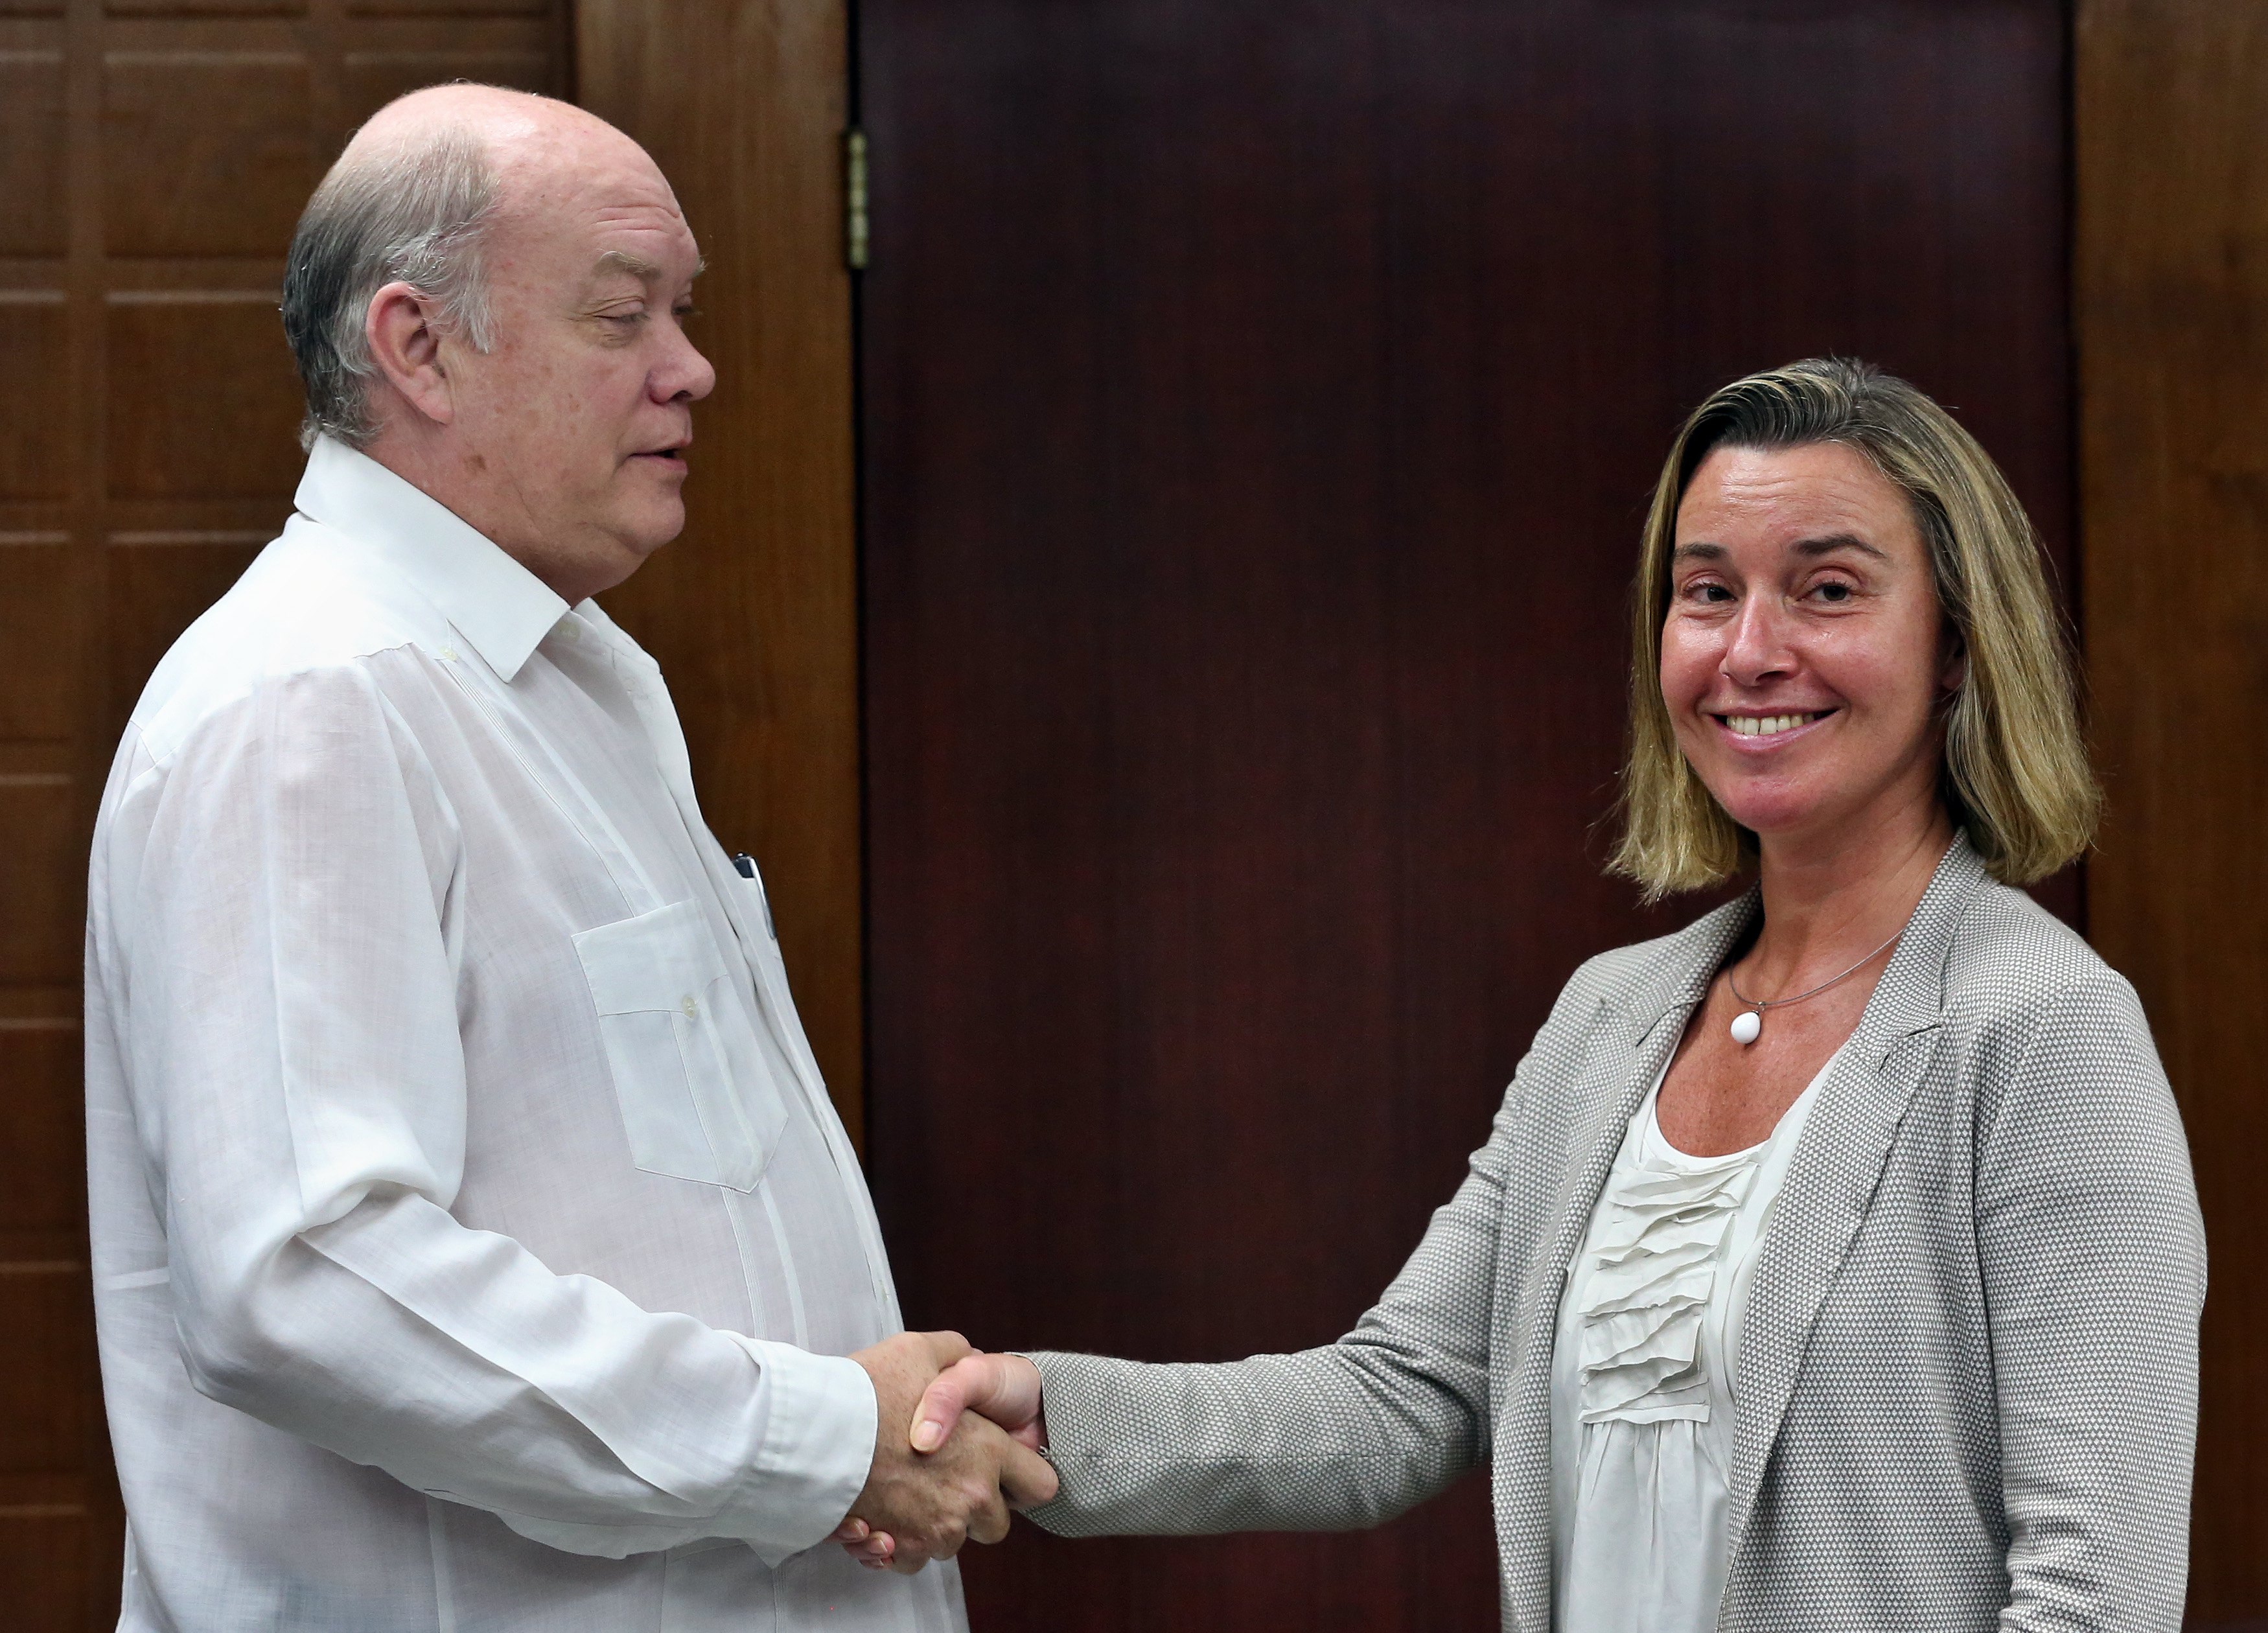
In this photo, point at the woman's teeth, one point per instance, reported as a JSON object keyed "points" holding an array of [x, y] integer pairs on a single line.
{"points": [[1768, 725]]}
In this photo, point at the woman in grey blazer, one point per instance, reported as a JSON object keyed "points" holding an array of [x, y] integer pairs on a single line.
{"points": [[1834, 1263]]}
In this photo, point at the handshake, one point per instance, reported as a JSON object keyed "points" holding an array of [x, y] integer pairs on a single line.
{"points": [[940, 1478]]}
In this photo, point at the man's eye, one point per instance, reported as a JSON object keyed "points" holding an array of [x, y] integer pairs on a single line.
{"points": [[1833, 591]]}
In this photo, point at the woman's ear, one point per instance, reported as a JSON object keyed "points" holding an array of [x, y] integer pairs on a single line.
{"points": [[1953, 666]]}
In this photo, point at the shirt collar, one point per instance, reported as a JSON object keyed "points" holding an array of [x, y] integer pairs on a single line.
{"points": [[499, 607]]}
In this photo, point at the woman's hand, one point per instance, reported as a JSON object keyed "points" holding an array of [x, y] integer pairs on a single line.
{"points": [[1003, 1388]]}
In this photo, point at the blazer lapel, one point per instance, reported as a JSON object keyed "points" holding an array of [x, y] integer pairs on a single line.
{"points": [[1636, 1035], [1830, 1183]]}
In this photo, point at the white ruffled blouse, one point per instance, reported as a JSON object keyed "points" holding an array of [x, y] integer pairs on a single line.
{"points": [[1645, 1377]]}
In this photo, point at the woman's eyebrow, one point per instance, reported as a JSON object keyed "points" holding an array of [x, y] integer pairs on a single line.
{"points": [[1702, 551], [1834, 541]]}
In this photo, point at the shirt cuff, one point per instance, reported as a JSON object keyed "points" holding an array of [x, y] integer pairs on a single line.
{"points": [[816, 1450]]}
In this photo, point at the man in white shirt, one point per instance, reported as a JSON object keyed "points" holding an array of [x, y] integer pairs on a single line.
{"points": [[475, 1245]]}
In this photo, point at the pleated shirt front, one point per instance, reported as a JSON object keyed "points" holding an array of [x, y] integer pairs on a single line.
{"points": [[1645, 1377]]}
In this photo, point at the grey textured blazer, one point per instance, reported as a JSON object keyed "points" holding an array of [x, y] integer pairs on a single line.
{"points": [[1967, 1388]]}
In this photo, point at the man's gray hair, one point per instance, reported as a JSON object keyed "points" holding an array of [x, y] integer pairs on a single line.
{"points": [[414, 212]]}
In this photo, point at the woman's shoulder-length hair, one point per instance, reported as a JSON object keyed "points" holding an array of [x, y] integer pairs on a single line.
{"points": [[2016, 773]]}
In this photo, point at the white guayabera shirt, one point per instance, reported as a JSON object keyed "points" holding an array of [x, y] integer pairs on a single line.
{"points": [[474, 1245]]}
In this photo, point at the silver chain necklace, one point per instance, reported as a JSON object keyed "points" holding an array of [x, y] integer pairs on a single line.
{"points": [[1749, 1024]]}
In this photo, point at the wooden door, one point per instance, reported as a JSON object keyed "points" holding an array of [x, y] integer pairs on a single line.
{"points": [[2173, 283], [1259, 402], [154, 155]]}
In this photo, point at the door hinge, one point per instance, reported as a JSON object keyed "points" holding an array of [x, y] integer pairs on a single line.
{"points": [[854, 199]]}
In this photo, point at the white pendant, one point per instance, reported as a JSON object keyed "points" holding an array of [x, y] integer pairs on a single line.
{"points": [[1746, 1025]]}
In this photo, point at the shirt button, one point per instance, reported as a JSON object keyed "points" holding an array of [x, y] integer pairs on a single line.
{"points": [[690, 1007]]}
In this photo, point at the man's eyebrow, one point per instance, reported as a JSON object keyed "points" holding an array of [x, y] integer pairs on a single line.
{"points": [[1834, 541], [637, 266]]}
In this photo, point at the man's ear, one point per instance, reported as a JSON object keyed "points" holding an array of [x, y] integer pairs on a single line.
{"points": [[406, 346]]}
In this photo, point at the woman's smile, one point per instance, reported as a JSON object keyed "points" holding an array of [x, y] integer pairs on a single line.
{"points": [[1754, 733]]}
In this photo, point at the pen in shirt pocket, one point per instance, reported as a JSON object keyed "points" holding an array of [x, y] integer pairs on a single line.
{"points": [[746, 863]]}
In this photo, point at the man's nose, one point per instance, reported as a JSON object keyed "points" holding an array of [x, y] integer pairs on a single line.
{"points": [[1758, 648], [684, 375]]}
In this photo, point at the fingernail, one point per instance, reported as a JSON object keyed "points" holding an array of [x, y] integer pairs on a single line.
{"points": [[927, 1434]]}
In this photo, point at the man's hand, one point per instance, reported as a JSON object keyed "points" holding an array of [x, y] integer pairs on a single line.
{"points": [[920, 1505], [1004, 1388]]}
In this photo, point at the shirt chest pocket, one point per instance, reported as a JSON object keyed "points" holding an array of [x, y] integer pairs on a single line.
{"points": [[695, 1098]]}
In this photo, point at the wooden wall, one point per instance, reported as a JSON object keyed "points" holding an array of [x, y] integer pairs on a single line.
{"points": [[2172, 298], [1260, 398]]}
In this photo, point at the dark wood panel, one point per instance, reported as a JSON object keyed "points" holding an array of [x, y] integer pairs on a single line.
{"points": [[205, 8], [1396, 1580], [449, 8], [42, 877], [203, 401], [1260, 401], [35, 438], [31, 153], [40, 1120], [47, 1552], [2173, 283], [371, 79], [205, 152], [43, 1402], [753, 612], [40, 636]]}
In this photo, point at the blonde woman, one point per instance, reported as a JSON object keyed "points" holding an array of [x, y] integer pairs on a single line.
{"points": [[1835, 1262]]}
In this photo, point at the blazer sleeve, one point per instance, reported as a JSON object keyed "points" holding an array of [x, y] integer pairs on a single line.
{"points": [[2092, 1257], [1335, 1438]]}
